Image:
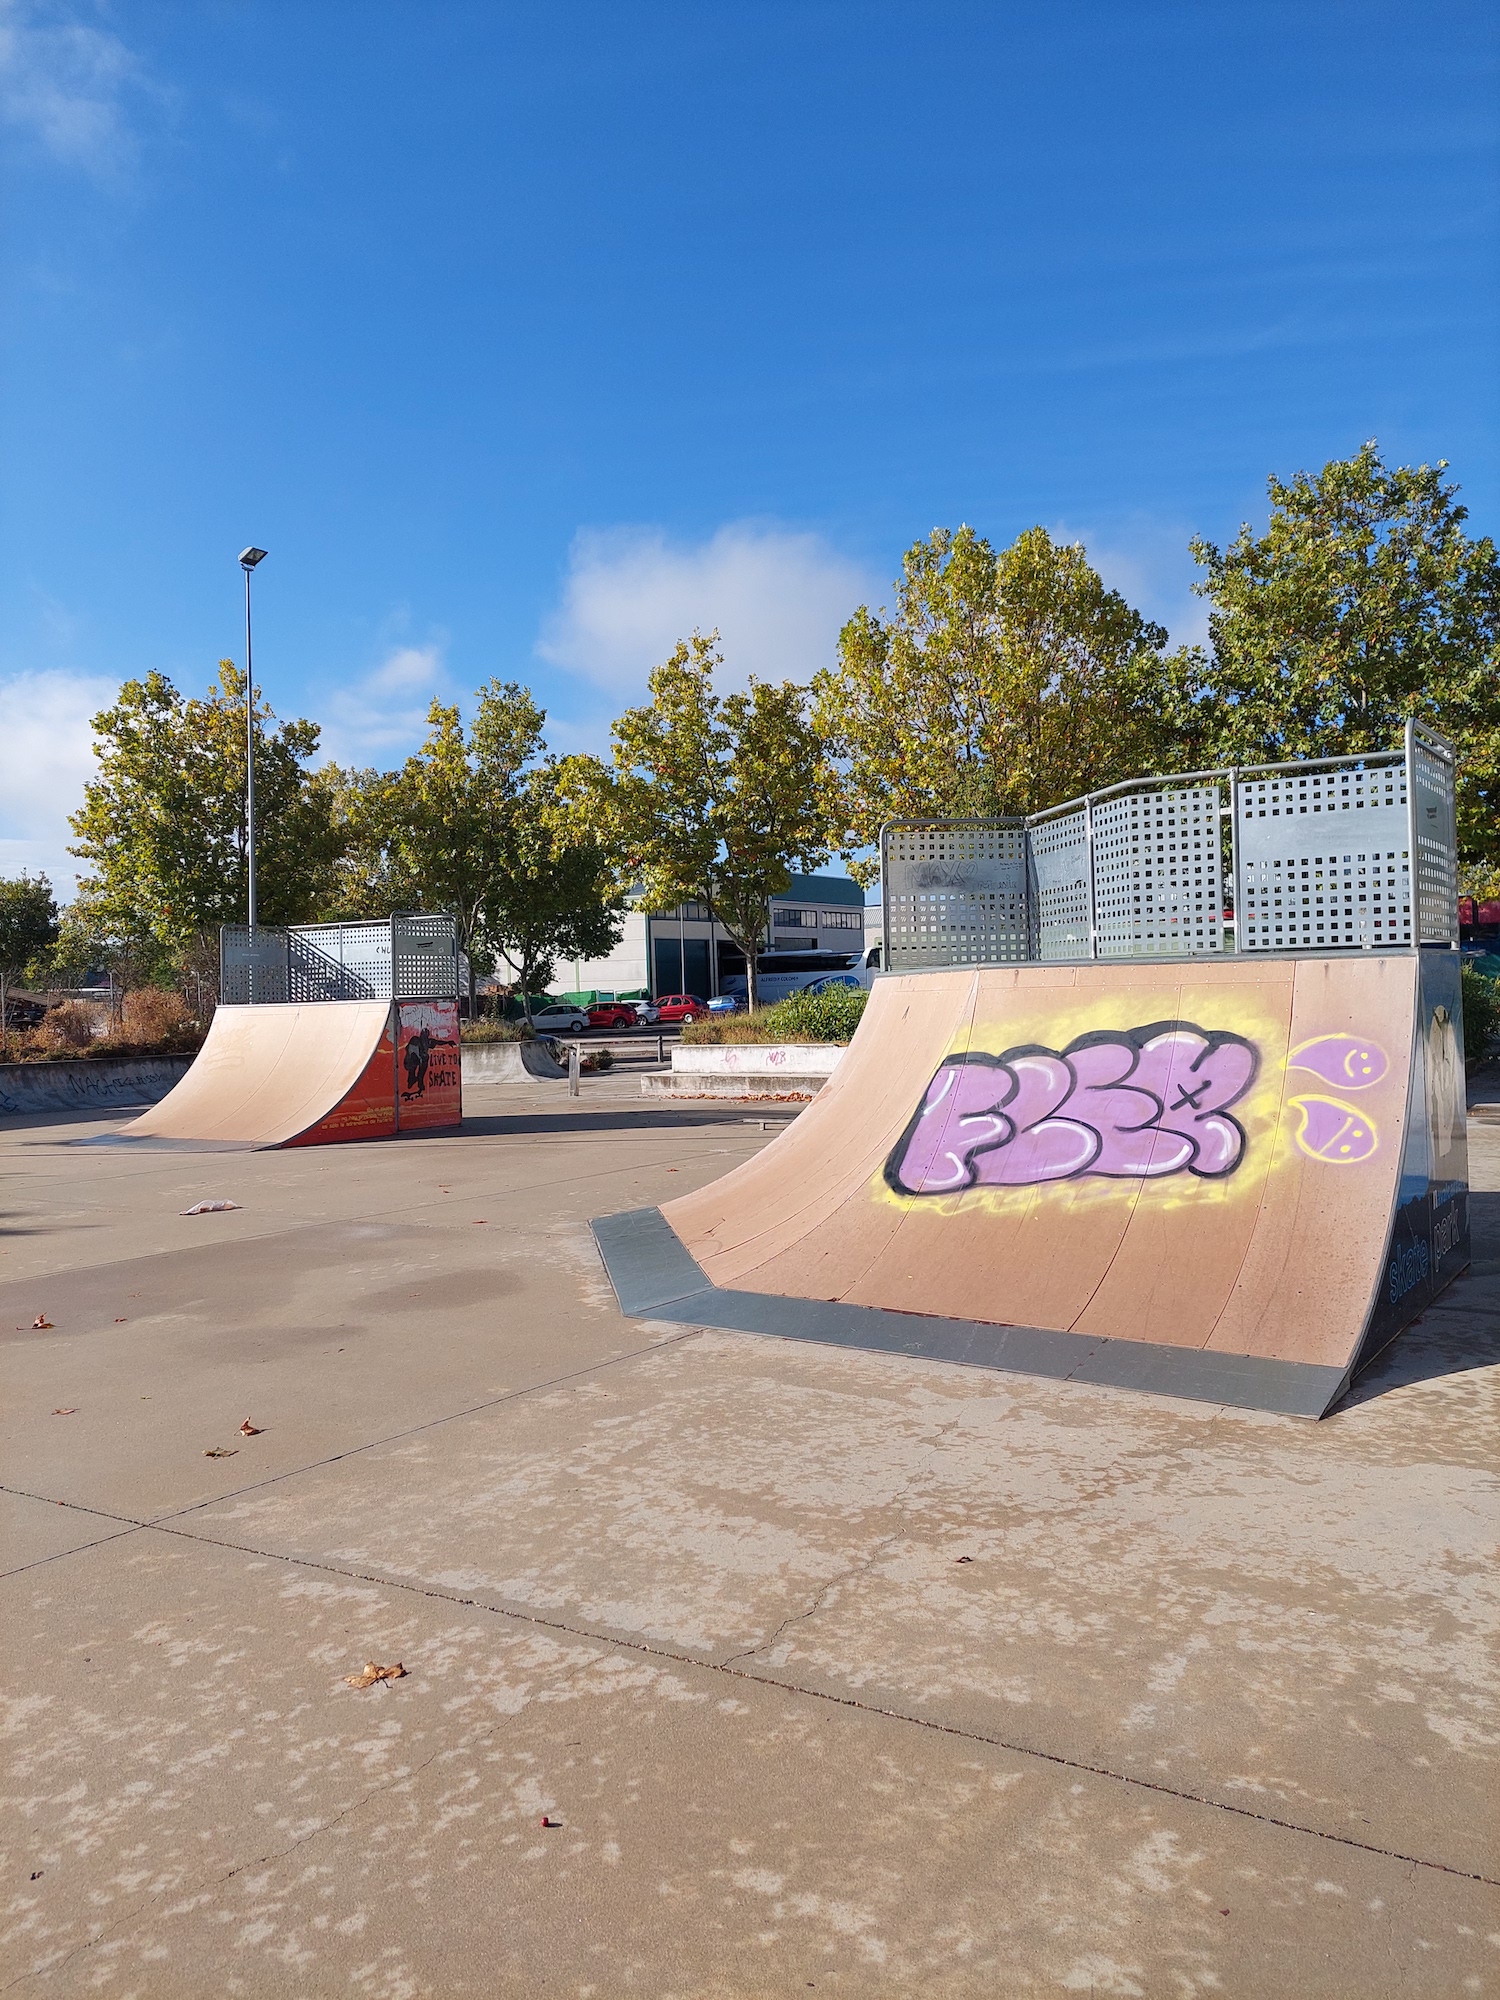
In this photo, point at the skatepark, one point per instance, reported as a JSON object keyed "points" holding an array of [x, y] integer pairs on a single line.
{"points": [[867, 1637]]}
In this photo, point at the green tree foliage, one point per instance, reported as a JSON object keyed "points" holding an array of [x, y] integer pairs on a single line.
{"points": [[714, 799], [1002, 683], [162, 826], [555, 894], [28, 930], [1364, 602], [441, 826]]}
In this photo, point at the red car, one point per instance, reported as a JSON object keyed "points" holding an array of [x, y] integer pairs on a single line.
{"points": [[612, 1014], [680, 1007]]}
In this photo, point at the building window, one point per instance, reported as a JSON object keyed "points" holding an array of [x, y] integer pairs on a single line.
{"points": [[843, 920], [795, 920]]}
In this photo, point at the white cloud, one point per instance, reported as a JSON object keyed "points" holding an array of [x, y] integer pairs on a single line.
{"points": [[1147, 561], [46, 756], [777, 598], [65, 83], [387, 709]]}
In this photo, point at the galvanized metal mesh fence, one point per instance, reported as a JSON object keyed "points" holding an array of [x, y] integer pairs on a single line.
{"points": [[404, 957], [1342, 853]]}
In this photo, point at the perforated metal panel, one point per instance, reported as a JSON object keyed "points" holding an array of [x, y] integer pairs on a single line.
{"points": [[1158, 872], [252, 966], [1432, 765], [402, 958], [1061, 897], [426, 957], [1323, 857], [954, 893]]}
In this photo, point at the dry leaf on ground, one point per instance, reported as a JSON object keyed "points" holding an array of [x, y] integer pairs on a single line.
{"points": [[220, 1451], [208, 1208], [65, 1413], [40, 1323], [373, 1673], [249, 1430]]}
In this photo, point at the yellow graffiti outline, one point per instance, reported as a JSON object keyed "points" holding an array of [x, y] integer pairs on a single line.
{"points": [[1301, 1104]]}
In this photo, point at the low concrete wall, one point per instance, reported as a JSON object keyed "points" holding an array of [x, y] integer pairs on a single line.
{"points": [[795, 1070], [101, 1081], [804, 1059], [795, 1088]]}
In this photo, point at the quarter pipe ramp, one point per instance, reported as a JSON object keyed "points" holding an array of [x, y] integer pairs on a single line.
{"points": [[1231, 1181], [313, 1075]]}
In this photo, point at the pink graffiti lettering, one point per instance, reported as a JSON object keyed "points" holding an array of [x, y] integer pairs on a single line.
{"points": [[1328, 1130], [1131, 1104]]}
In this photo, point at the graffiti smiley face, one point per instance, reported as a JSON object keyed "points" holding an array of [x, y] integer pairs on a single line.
{"points": [[1129, 1104]]}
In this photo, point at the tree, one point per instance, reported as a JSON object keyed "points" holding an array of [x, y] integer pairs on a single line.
{"points": [[556, 895], [162, 826], [1364, 602], [1001, 684], [711, 798], [28, 929], [447, 816]]}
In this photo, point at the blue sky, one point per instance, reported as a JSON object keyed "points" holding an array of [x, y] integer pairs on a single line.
{"points": [[526, 338]]}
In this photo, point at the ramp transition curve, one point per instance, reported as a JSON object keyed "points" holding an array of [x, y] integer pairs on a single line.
{"points": [[1230, 1181]]}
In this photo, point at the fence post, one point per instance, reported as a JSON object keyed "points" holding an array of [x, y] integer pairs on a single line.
{"points": [[575, 1057]]}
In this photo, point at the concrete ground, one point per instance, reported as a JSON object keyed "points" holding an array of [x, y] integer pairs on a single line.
{"points": [[732, 1667]]}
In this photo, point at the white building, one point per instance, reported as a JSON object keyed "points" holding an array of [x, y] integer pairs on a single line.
{"points": [[682, 952]]}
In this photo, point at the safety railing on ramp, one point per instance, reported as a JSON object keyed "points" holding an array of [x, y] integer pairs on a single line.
{"points": [[402, 957], [1332, 854]]}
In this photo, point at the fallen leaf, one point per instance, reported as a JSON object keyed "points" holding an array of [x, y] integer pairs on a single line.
{"points": [[249, 1430], [119, 1322], [208, 1208], [966, 1559], [40, 1323], [373, 1673], [65, 1413], [479, 1222], [220, 1451]]}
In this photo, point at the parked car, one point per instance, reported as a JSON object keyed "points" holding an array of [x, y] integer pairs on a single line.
{"points": [[646, 1013], [612, 1014], [559, 1020], [726, 1003], [680, 1007]]}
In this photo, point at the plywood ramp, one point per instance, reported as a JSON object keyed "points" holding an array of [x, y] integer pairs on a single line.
{"points": [[278, 1076], [1195, 1156]]}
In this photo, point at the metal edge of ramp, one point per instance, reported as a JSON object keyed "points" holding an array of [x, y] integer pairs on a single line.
{"points": [[655, 1277]]}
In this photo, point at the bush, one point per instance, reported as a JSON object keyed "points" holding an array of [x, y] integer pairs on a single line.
{"points": [[1481, 1013], [73, 1026], [151, 1014], [597, 1060], [830, 1016], [475, 1032]]}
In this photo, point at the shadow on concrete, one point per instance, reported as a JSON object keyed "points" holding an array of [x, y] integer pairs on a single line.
{"points": [[1459, 1332], [626, 1119]]}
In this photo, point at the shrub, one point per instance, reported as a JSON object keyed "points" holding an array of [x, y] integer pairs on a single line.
{"points": [[152, 1014], [475, 1032], [1481, 1013], [597, 1059], [830, 1016], [74, 1025]]}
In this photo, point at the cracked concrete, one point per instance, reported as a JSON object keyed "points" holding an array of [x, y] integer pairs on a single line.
{"points": [[838, 1672]]}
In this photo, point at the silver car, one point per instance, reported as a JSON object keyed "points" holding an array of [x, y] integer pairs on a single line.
{"points": [[560, 1020]]}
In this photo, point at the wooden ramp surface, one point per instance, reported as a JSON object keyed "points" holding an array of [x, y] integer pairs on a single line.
{"points": [[1193, 1158], [279, 1076]]}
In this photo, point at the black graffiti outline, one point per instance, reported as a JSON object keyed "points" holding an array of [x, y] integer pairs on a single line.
{"points": [[1133, 1038]]}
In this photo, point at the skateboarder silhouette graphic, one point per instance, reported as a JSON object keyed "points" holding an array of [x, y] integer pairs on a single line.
{"points": [[415, 1058]]}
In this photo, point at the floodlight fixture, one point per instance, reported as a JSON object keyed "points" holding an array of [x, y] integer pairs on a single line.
{"points": [[250, 557]]}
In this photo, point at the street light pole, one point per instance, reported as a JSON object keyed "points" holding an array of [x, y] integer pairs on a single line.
{"points": [[248, 560]]}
